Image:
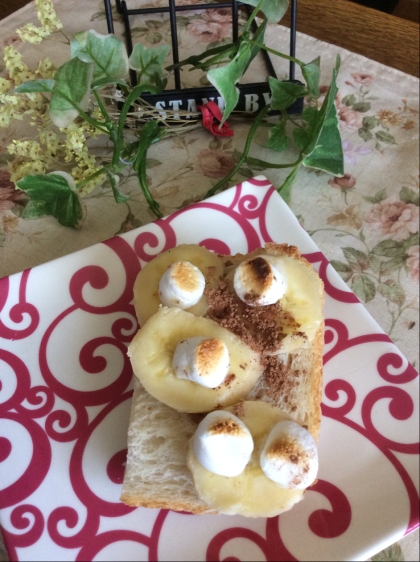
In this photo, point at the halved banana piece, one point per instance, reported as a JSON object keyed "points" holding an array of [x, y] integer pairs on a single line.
{"points": [[146, 286], [152, 351], [303, 298], [251, 493]]}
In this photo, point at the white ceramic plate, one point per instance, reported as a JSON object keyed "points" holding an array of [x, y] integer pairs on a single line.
{"points": [[65, 400]]}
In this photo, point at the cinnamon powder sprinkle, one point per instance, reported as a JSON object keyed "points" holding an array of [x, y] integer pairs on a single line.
{"points": [[260, 327], [229, 379], [238, 410]]}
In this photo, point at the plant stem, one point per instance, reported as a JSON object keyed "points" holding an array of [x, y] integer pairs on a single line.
{"points": [[86, 117], [252, 17], [154, 206], [82, 183], [290, 118], [102, 107], [242, 159], [270, 165], [109, 123], [273, 52], [131, 98]]}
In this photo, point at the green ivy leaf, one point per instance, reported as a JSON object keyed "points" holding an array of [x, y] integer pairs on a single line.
{"points": [[365, 134], [409, 196], [349, 100], [107, 52], [35, 210], [284, 93], [278, 140], [224, 79], [258, 38], [392, 291], [311, 73], [310, 115], [51, 194], [388, 248], [370, 122], [33, 86], [73, 79], [274, 10], [148, 62], [385, 137], [363, 287], [343, 269], [285, 189], [324, 151], [301, 137], [361, 106]]}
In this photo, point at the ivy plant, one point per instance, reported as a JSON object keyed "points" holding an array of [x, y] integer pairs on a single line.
{"points": [[99, 60]]}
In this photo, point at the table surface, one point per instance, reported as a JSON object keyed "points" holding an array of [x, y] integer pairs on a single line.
{"points": [[355, 215], [378, 36]]}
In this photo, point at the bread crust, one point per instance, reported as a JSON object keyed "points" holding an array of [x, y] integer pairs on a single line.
{"points": [[136, 500], [313, 405]]}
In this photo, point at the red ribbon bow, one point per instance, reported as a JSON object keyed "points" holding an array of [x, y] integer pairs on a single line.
{"points": [[212, 116]]}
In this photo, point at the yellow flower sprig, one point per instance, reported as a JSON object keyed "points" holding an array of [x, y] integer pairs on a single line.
{"points": [[42, 155], [49, 23]]}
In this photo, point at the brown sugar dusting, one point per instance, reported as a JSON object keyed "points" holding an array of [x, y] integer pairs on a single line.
{"points": [[221, 427], [229, 380], [258, 326], [238, 410], [279, 379]]}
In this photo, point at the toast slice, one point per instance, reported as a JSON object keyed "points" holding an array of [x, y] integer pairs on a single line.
{"points": [[156, 473]]}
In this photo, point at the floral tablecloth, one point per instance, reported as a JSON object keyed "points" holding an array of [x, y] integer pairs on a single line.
{"points": [[366, 223]]}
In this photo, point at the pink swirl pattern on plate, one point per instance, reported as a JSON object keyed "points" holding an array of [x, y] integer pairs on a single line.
{"points": [[65, 397]]}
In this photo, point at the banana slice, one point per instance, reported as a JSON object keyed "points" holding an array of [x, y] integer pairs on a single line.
{"points": [[304, 301], [152, 351], [250, 493], [146, 287], [301, 304]]}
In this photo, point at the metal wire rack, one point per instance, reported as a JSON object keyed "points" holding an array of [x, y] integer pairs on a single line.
{"points": [[258, 92]]}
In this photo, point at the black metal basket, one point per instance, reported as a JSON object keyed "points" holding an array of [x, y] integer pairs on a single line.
{"points": [[255, 95]]}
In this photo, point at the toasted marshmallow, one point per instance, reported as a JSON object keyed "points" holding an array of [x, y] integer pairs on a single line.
{"points": [[181, 285], [202, 360], [290, 456], [257, 282], [223, 444]]}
